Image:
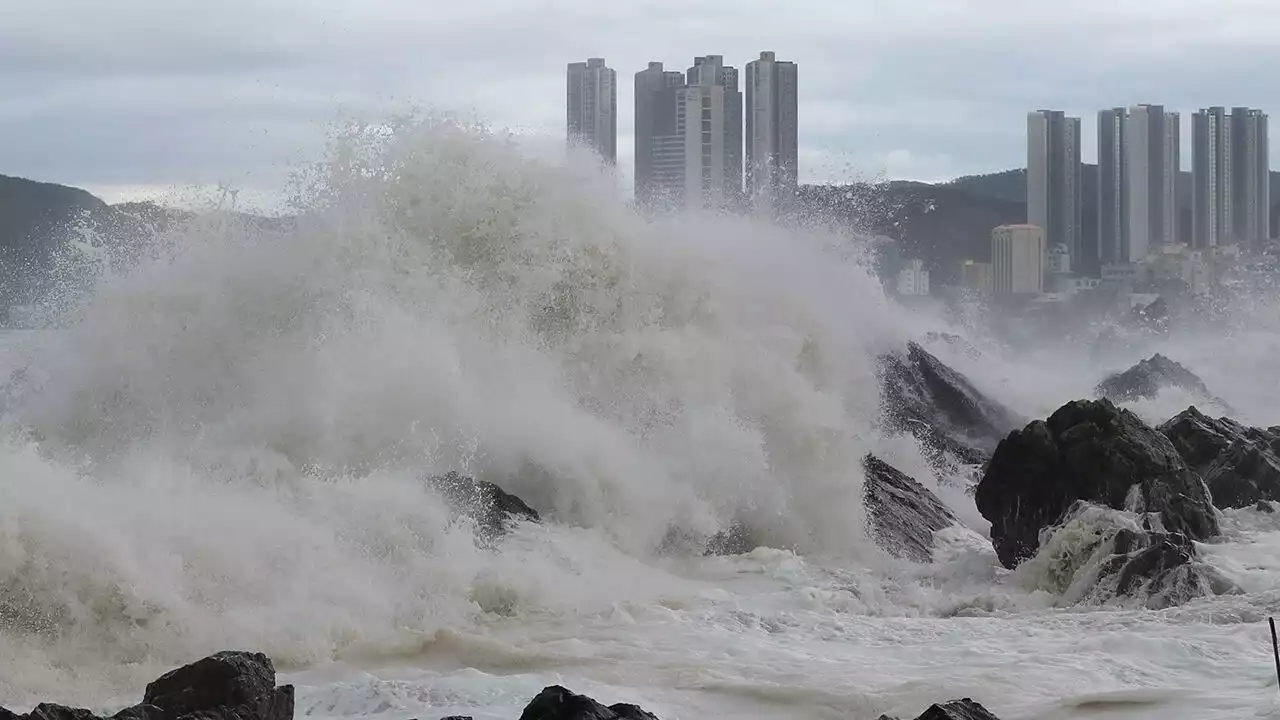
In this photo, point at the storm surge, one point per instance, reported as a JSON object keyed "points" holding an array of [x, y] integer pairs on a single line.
{"points": [[225, 438], [225, 443]]}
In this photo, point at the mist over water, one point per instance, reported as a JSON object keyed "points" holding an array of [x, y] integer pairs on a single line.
{"points": [[223, 444]]}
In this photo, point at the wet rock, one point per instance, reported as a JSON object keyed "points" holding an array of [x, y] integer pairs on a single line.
{"points": [[737, 539], [230, 685], [559, 703], [1240, 464], [493, 510], [904, 514], [1097, 554], [963, 709], [952, 419], [1145, 380], [1092, 451]]}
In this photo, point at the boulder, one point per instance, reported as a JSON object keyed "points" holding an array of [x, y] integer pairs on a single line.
{"points": [[1097, 554], [1092, 451], [230, 685], [952, 419], [1239, 464], [903, 513], [493, 509], [963, 709], [559, 703], [1145, 380]]}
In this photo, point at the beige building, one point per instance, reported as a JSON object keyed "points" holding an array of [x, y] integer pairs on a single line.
{"points": [[772, 130], [1018, 259]]}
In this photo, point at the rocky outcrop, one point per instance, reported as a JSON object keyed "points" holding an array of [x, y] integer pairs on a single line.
{"points": [[558, 703], [903, 513], [1239, 464], [230, 685], [1097, 554], [1145, 380], [491, 508], [963, 709], [1091, 451], [953, 421]]}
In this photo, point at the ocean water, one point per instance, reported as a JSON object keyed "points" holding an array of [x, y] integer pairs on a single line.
{"points": [[222, 445]]}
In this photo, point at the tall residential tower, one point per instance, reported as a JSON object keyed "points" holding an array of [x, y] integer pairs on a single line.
{"points": [[592, 107], [1054, 181], [1250, 178], [772, 130], [1153, 155], [1113, 190]]}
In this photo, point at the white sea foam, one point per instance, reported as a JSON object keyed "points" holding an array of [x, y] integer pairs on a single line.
{"points": [[223, 446]]}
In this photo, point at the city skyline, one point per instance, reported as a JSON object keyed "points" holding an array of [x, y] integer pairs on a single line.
{"points": [[921, 91]]}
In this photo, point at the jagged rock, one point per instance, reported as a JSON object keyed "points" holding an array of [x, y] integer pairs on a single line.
{"points": [[923, 396], [1145, 380], [963, 709], [1097, 554], [493, 509], [230, 685], [904, 514], [1092, 451], [737, 539], [1240, 464], [559, 703]]}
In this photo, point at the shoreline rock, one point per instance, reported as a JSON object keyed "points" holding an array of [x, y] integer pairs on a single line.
{"points": [[903, 514], [239, 685], [953, 421], [1147, 378], [493, 509], [1093, 451], [229, 685], [1239, 464]]}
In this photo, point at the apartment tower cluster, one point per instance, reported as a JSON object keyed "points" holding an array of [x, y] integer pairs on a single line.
{"points": [[1138, 196], [697, 144]]}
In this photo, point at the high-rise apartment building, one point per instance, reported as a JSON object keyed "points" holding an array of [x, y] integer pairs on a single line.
{"points": [[1018, 260], [1154, 161], [772, 130], [1211, 195], [592, 107], [1113, 193], [689, 136], [1054, 181], [713, 133], [659, 143], [1250, 178], [1231, 173]]}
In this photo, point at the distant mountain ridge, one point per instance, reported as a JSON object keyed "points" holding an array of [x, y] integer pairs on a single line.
{"points": [[37, 218]]}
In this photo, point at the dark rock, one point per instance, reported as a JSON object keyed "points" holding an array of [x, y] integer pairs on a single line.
{"points": [[1092, 451], [923, 396], [1097, 554], [1264, 506], [1145, 380], [964, 709], [558, 703], [737, 539], [904, 514], [457, 717], [1240, 465], [492, 509], [230, 685]]}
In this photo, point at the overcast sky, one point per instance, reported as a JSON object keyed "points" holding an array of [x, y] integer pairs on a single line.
{"points": [[130, 96]]}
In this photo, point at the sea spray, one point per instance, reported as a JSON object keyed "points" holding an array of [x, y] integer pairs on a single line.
{"points": [[225, 443]]}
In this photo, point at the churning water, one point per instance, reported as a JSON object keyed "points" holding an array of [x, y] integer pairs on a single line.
{"points": [[223, 446]]}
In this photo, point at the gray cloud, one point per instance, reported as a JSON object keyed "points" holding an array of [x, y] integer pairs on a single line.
{"points": [[143, 93]]}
